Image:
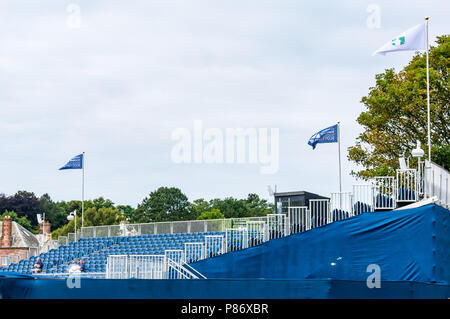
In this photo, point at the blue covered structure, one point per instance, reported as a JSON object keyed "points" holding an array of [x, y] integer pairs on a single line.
{"points": [[408, 245], [411, 247]]}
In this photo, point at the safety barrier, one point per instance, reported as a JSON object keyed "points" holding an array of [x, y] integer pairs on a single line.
{"points": [[171, 265], [175, 227], [256, 233], [436, 182], [194, 252], [341, 205], [299, 219], [384, 192], [320, 212], [277, 226], [363, 198], [236, 239], [214, 245], [406, 185]]}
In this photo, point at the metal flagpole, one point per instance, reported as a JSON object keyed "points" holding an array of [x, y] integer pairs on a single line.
{"points": [[339, 152], [428, 94], [82, 194]]}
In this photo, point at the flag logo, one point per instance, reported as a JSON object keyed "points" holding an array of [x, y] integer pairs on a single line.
{"points": [[327, 135], [411, 40], [74, 163]]}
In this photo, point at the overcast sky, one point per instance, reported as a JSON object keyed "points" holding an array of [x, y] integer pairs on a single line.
{"points": [[118, 83]]}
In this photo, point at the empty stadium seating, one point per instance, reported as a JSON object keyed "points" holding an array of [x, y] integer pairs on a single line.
{"points": [[95, 251]]}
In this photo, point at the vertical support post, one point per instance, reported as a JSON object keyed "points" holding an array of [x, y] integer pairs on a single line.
{"points": [[82, 192], [428, 93]]}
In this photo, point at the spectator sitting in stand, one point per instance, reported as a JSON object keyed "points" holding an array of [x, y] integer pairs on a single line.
{"points": [[38, 266], [82, 267], [75, 268]]}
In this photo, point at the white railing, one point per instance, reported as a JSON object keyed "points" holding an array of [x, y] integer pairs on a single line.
{"points": [[341, 205], [214, 245], [277, 226], [363, 198], [256, 233], [384, 192], [236, 239], [175, 227], [406, 185], [194, 252], [320, 212], [91, 275], [437, 180], [299, 219], [150, 267]]}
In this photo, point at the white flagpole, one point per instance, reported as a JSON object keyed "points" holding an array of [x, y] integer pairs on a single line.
{"points": [[428, 94], [82, 194], [339, 152]]}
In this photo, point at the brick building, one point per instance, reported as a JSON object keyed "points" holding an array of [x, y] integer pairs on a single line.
{"points": [[16, 242]]}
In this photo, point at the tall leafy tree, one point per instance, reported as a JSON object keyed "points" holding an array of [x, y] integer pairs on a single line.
{"points": [[164, 204], [396, 114], [54, 213], [23, 203]]}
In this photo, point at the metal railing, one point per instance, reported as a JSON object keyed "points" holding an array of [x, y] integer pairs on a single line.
{"points": [[194, 252], [384, 192], [363, 198], [320, 212], [341, 205], [299, 219], [406, 185], [214, 245], [171, 265], [436, 182]]}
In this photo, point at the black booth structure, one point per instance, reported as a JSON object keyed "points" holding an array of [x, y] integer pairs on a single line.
{"points": [[288, 199]]}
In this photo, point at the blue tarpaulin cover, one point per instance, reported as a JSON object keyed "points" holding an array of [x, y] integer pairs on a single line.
{"points": [[407, 245], [412, 248]]}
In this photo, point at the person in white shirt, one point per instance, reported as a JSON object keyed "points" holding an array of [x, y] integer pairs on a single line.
{"points": [[75, 268]]}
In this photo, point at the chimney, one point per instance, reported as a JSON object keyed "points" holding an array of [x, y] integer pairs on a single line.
{"points": [[5, 240], [44, 228]]}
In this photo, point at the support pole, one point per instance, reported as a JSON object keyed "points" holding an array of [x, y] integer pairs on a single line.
{"points": [[428, 93], [339, 153], [82, 193]]}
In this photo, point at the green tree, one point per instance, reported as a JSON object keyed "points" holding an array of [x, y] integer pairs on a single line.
{"points": [[213, 214], [396, 114], [258, 206], [199, 206], [23, 221], [54, 213], [128, 211], [102, 216], [164, 204]]}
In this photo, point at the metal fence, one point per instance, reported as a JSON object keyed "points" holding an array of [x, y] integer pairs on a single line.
{"points": [[384, 192], [406, 185], [363, 198], [175, 227], [214, 245], [436, 182], [341, 205], [236, 239], [194, 252], [171, 265], [299, 219], [277, 226], [320, 212]]}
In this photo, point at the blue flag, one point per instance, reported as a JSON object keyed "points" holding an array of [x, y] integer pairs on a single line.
{"points": [[327, 135], [74, 163]]}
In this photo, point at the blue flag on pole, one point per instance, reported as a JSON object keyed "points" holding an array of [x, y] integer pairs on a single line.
{"points": [[74, 163], [327, 135]]}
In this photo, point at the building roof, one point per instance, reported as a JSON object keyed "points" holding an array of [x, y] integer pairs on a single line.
{"points": [[21, 237], [299, 193]]}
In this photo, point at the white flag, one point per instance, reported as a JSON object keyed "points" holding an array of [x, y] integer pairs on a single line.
{"points": [[410, 40]]}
